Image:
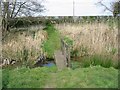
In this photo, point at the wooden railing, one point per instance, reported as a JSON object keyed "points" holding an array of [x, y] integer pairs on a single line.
{"points": [[66, 52]]}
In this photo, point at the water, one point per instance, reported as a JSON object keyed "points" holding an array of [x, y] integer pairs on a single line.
{"points": [[49, 64]]}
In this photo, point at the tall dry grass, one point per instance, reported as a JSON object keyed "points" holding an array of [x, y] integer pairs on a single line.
{"points": [[96, 38], [92, 38], [18, 41]]}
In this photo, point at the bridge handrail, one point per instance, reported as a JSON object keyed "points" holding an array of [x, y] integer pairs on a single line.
{"points": [[65, 51]]}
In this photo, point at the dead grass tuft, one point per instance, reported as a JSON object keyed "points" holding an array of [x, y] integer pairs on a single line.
{"points": [[30, 40]]}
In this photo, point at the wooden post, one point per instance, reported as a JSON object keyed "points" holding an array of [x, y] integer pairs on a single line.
{"points": [[65, 53], [69, 57], [62, 46]]}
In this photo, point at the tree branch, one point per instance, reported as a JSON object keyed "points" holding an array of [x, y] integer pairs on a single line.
{"points": [[14, 5], [19, 9], [105, 6]]}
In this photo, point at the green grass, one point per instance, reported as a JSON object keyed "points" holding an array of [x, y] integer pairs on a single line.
{"points": [[91, 77], [68, 41], [0, 78], [94, 77], [93, 60], [5, 77], [53, 41], [26, 78]]}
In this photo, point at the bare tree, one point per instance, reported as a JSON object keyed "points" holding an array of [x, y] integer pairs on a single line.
{"points": [[14, 8], [114, 7], [6, 15]]}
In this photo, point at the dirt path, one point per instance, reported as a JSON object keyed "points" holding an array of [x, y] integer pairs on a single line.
{"points": [[51, 83]]}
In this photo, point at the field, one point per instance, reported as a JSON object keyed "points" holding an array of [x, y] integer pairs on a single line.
{"points": [[93, 48]]}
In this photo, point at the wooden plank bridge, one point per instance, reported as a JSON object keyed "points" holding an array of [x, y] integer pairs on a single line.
{"points": [[62, 57]]}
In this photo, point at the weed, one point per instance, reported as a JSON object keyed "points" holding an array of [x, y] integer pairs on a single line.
{"points": [[25, 56], [75, 53], [79, 52], [113, 51], [68, 41], [75, 64], [33, 34], [83, 50]]}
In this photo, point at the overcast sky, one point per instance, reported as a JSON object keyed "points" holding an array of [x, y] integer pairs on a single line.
{"points": [[82, 8]]}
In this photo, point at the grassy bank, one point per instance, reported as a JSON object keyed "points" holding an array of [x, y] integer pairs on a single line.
{"points": [[94, 77], [91, 77], [53, 41]]}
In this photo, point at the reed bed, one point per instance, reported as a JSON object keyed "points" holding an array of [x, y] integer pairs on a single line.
{"points": [[97, 38]]}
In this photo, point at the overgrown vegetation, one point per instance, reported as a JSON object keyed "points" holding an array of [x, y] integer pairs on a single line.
{"points": [[94, 42], [24, 45]]}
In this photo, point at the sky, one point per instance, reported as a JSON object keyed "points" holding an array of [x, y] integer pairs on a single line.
{"points": [[81, 8]]}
